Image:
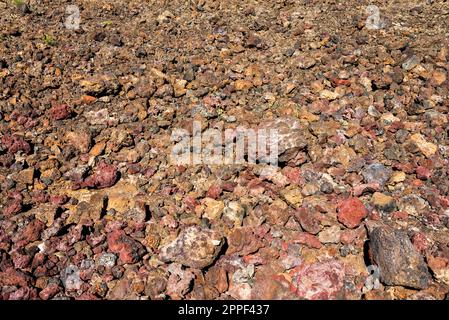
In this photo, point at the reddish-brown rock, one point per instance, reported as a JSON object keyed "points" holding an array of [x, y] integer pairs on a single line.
{"points": [[31, 232], [307, 239], [15, 143], [60, 112], [308, 218], [214, 191], [105, 176], [423, 173], [319, 281], [50, 291], [13, 277], [351, 212], [128, 249], [195, 247], [243, 241]]}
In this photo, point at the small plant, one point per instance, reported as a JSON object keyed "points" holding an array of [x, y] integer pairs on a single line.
{"points": [[275, 105], [22, 6], [49, 40]]}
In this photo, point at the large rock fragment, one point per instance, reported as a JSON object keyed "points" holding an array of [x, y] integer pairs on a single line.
{"points": [[351, 212], [128, 249], [292, 136], [399, 262], [100, 85], [319, 281], [195, 247], [427, 148], [376, 173]]}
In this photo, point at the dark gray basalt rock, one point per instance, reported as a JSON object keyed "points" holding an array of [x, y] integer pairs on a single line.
{"points": [[399, 262]]}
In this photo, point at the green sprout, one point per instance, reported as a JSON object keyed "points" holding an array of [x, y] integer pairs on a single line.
{"points": [[49, 40], [18, 3]]}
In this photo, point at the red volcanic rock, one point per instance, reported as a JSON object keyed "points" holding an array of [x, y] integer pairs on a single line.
{"points": [[401, 215], [31, 232], [23, 293], [39, 197], [293, 174], [423, 173], [15, 206], [134, 168], [420, 242], [353, 236], [351, 212], [319, 281], [308, 240], [214, 191], [59, 199], [105, 176], [308, 219], [21, 261], [128, 249], [190, 202], [60, 112], [229, 186], [94, 205], [87, 296], [15, 143], [243, 241], [362, 188], [148, 173], [49, 291], [13, 277]]}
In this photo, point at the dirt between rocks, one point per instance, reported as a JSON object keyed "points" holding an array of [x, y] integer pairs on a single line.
{"points": [[91, 206]]}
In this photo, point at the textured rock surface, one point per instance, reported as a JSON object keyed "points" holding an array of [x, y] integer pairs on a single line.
{"points": [[291, 136], [94, 204], [351, 212], [128, 249], [376, 173], [194, 247], [318, 281], [398, 261]]}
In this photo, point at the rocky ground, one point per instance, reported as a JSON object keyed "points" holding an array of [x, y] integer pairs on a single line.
{"points": [[92, 207]]}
